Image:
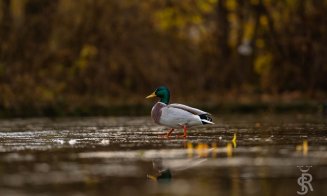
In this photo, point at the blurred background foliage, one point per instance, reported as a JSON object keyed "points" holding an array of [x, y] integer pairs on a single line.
{"points": [[62, 57]]}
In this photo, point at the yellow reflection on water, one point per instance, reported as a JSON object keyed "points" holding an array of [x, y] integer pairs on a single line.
{"points": [[214, 150], [151, 177], [205, 150], [304, 148], [189, 149], [234, 140], [199, 149], [229, 150], [202, 150]]}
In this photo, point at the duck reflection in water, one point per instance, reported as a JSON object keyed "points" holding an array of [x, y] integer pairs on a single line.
{"points": [[163, 174]]}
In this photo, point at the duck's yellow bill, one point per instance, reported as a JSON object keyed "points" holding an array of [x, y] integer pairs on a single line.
{"points": [[152, 95]]}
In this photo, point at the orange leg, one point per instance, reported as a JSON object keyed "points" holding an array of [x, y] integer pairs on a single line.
{"points": [[185, 131], [169, 133]]}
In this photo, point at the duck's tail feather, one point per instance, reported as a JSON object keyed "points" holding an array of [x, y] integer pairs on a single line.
{"points": [[206, 119]]}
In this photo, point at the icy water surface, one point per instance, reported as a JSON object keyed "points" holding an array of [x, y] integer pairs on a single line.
{"points": [[129, 156]]}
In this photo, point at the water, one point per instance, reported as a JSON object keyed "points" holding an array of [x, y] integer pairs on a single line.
{"points": [[125, 155]]}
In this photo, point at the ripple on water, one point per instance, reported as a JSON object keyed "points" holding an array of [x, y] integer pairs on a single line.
{"points": [[100, 151]]}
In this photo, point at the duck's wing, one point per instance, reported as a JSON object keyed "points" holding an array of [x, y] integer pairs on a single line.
{"points": [[187, 108], [176, 117], [205, 117]]}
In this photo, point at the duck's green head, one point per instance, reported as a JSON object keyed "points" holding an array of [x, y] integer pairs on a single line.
{"points": [[163, 93]]}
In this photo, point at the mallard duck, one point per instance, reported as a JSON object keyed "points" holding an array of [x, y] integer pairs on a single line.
{"points": [[176, 115], [163, 172]]}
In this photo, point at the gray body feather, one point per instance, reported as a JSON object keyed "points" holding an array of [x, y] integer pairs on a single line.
{"points": [[177, 115]]}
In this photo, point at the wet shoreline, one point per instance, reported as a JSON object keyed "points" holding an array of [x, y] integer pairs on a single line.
{"points": [[114, 155]]}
